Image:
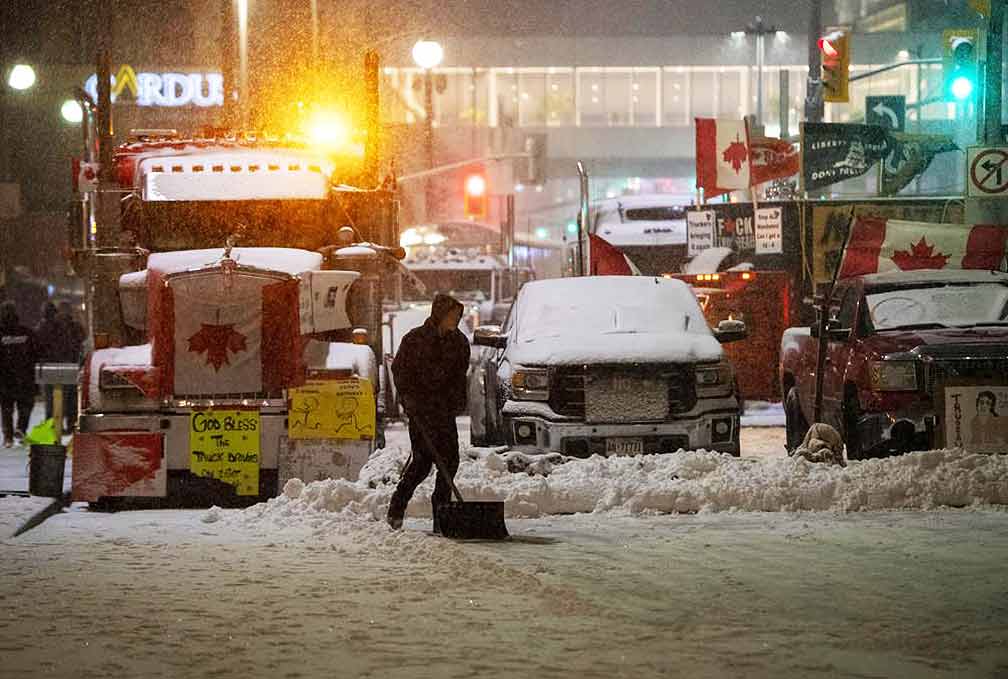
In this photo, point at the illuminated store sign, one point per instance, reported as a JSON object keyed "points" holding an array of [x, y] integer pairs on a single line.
{"points": [[163, 89]]}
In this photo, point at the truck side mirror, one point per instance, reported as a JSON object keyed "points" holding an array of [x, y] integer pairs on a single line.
{"points": [[730, 331], [489, 336]]}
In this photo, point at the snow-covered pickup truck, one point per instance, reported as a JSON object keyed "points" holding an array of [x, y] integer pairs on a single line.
{"points": [[605, 365], [891, 338]]}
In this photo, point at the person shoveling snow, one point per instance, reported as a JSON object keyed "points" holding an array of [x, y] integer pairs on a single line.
{"points": [[430, 374]]}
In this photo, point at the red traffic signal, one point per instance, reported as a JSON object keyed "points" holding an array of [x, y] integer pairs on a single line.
{"points": [[835, 50], [475, 196]]}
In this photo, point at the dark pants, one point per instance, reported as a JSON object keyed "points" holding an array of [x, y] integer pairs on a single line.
{"points": [[440, 429], [69, 405], [24, 405]]}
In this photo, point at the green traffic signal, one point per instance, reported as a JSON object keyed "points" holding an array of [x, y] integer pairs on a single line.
{"points": [[961, 87]]}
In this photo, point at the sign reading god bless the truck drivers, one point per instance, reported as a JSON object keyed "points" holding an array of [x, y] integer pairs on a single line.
{"points": [[224, 445]]}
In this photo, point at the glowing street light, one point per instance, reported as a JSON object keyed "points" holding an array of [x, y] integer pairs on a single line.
{"points": [[427, 54], [72, 111], [22, 77]]}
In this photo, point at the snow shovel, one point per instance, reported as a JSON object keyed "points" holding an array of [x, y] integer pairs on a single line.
{"points": [[463, 520]]}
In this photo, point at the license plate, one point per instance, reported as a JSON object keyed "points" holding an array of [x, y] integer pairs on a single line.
{"points": [[624, 446]]}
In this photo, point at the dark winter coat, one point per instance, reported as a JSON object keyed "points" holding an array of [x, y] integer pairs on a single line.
{"points": [[18, 356], [60, 339], [430, 370]]}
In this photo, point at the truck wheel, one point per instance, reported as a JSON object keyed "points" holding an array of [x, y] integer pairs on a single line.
{"points": [[795, 425], [852, 437]]}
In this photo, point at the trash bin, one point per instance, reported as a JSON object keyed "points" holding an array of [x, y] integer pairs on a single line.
{"points": [[46, 466]]}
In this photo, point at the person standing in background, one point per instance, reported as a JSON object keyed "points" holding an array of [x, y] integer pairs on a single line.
{"points": [[69, 350], [19, 353]]}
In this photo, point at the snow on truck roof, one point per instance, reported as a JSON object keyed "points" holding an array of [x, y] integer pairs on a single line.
{"points": [[925, 276], [285, 260]]}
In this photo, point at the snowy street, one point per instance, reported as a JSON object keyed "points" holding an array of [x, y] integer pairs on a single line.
{"points": [[310, 584]]}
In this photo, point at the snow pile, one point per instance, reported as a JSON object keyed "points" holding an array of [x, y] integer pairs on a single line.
{"points": [[696, 481]]}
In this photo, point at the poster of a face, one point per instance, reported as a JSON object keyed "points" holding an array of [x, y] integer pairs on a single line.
{"points": [[976, 418]]}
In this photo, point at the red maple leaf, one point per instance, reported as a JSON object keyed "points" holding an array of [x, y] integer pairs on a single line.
{"points": [[736, 154], [216, 341], [920, 256]]}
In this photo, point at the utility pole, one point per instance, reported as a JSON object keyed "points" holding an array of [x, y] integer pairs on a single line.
{"points": [[991, 210], [813, 90]]}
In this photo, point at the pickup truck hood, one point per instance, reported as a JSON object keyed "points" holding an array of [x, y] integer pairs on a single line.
{"points": [[905, 340], [617, 347]]}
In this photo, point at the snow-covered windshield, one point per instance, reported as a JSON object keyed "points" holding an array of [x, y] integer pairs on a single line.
{"points": [[580, 307], [938, 306], [467, 284]]}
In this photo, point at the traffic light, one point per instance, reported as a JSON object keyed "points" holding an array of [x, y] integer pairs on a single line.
{"points": [[959, 63], [835, 52], [475, 196]]}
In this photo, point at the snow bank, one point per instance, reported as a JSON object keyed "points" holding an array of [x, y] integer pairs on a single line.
{"points": [[683, 482], [16, 510]]}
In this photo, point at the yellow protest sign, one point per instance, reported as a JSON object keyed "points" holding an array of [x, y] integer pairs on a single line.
{"points": [[333, 409], [224, 445]]}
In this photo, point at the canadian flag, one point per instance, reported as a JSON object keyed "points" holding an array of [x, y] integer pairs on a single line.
{"points": [[605, 259], [722, 155], [877, 245]]}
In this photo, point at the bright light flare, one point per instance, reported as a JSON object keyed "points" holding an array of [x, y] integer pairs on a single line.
{"points": [[475, 185], [427, 54], [71, 111], [21, 77], [962, 88], [328, 129]]}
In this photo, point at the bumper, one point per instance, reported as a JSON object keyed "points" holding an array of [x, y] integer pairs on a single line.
{"points": [[904, 430], [538, 429]]}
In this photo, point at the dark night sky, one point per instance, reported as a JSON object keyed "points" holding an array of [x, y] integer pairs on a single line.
{"points": [[58, 30]]}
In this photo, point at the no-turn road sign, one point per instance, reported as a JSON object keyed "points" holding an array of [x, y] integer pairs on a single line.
{"points": [[987, 172]]}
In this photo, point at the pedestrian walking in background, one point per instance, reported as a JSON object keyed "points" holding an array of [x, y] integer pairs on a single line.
{"points": [[19, 353], [60, 339], [430, 376]]}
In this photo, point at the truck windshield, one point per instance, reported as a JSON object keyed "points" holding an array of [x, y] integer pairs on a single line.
{"points": [[465, 284], [955, 304]]}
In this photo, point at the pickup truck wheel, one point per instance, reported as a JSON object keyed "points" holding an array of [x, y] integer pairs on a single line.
{"points": [[795, 425], [852, 437]]}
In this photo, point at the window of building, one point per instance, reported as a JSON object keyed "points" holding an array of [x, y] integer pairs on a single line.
{"points": [[560, 96], [730, 101], [532, 99], [618, 88], [474, 97], [591, 102], [675, 96], [507, 97], [645, 90], [704, 94]]}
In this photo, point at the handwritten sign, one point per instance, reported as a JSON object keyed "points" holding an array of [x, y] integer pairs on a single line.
{"points": [[974, 416], [769, 232], [700, 231], [224, 445], [333, 409]]}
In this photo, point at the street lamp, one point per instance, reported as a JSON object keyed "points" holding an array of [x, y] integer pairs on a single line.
{"points": [[427, 54], [72, 112], [760, 30], [21, 77]]}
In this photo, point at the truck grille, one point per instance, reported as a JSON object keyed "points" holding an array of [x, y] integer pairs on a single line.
{"points": [[962, 368], [568, 390]]}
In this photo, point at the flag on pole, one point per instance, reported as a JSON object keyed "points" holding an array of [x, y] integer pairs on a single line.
{"points": [[911, 155], [722, 156], [878, 245], [833, 152], [605, 259], [772, 158]]}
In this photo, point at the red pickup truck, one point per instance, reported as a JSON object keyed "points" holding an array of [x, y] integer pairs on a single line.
{"points": [[891, 337]]}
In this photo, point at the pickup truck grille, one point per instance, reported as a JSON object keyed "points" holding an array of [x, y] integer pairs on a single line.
{"points": [[567, 387], [936, 371]]}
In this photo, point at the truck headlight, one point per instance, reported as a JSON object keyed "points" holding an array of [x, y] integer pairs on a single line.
{"points": [[530, 384], [714, 374], [893, 375]]}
